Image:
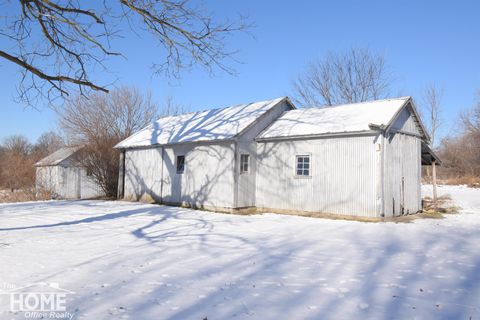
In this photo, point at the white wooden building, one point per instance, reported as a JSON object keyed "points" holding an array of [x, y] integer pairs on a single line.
{"points": [[360, 159], [60, 174]]}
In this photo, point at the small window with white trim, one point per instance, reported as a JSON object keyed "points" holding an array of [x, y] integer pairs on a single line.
{"points": [[303, 165], [244, 163], [180, 164]]}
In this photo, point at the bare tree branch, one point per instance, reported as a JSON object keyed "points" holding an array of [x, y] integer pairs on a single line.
{"points": [[59, 45], [49, 78]]}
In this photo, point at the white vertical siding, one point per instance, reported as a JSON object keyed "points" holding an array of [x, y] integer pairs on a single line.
{"points": [[47, 178], [402, 167], [67, 182], [74, 184], [402, 174], [143, 174], [88, 187], [208, 179], [343, 178], [247, 145]]}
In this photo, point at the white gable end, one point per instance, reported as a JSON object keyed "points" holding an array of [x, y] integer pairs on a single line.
{"points": [[407, 122]]}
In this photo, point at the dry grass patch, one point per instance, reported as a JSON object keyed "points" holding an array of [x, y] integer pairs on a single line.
{"points": [[444, 206], [23, 195], [470, 181]]}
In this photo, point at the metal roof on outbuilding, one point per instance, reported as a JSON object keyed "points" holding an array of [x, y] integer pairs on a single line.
{"points": [[348, 118], [209, 125], [57, 157]]}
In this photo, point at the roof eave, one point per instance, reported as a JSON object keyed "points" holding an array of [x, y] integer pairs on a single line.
{"points": [[318, 136], [159, 145]]}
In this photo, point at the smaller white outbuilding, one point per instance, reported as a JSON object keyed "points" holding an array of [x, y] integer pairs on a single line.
{"points": [[62, 175]]}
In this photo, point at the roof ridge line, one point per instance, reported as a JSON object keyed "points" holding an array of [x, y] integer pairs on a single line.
{"points": [[220, 108], [354, 103]]}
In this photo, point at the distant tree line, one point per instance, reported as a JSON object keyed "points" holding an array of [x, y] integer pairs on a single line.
{"points": [[461, 152], [18, 156]]}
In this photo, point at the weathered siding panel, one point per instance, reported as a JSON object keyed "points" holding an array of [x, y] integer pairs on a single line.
{"points": [[143, 174], [151, 175], [67, 182], [402, 174], [247, 145], [343, 178], [47, 179], [74, 184], [208, 179], [406, 123], [88, 187]]}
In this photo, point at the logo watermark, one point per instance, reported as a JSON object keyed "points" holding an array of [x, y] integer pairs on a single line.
{"points": [[38, 300]]}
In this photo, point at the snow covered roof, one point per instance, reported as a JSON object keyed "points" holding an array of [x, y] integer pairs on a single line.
{"points": [[347, 118], [57, 157], [209, 125]]}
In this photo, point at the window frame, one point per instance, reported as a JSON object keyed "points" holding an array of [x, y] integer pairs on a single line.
{"points": [[177, 162], [242, 163], [295, 168]]}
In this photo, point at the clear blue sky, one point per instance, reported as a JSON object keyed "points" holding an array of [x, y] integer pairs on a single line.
{"points": [[423, 42]]}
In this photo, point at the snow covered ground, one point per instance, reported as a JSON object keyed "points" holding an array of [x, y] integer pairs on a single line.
{"points": [[137, 261]]}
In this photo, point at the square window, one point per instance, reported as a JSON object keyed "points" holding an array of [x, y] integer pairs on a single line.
{"points": [[180, 164], [303, 165], [244, 163]]}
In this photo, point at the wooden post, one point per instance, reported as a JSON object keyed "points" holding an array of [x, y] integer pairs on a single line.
{"points": [[434, 184]]}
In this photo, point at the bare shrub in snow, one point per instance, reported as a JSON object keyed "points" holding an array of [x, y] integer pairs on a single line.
{"points": [[17, 159], [16, 163], [98, 123]]}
